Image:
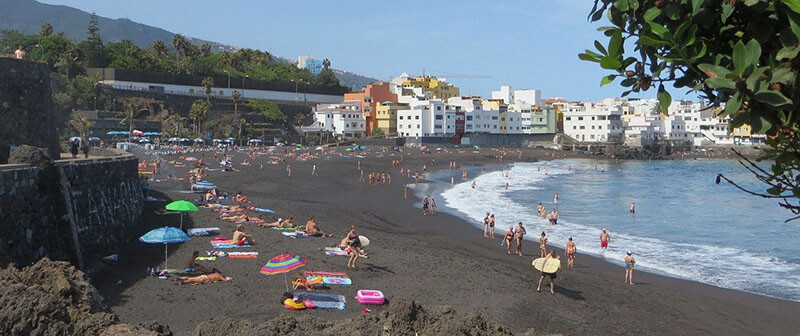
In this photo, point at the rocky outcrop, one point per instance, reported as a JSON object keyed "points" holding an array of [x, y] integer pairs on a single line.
{"points": [[54, 298], [34, 156]]}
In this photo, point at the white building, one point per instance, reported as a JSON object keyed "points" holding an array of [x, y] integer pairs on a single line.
{"points": [[344, 119], [535, 120], [589, 122], [525, 96], [641, 131], [479, 116], [435, 119]]}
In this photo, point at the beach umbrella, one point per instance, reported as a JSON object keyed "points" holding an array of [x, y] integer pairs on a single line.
{"points": [[165, 235], [283, 263], [319, 148], [181, 206]]}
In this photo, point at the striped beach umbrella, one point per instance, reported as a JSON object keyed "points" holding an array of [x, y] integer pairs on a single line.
{"points": [[283, 263]]}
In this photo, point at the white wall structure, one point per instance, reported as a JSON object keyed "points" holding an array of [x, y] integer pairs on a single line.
{"points": [[525, 96], [435, 119], [199, 91], [589, 122], [344, 119], [504, 93]]}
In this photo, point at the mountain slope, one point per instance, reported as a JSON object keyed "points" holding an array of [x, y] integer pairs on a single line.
{"points": [[27, 16]]}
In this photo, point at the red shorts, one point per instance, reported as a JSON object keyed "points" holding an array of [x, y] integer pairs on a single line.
{"points": [[240, 242], [604, 244]]}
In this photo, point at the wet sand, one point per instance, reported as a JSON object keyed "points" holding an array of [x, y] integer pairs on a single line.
{"points": [[433, 260]]}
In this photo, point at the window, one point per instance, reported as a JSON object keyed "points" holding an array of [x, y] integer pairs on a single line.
{"points": [[583, 127], [438, 108], [592, 118], [503, 119], [494, 117], [400, 117], [439, 117], [469, 117], [574, 127], [569, 118], [495, 126], [417, 125], [580, 118], [599, 127], [592, 126], [437, 126], [416, 117]]}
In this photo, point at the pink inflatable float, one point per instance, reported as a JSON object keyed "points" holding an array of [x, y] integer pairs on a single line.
{"points": [[373, 297]]}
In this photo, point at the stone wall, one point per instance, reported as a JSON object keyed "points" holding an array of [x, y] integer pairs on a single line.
{"points": [[105, 196], [26, 108]]}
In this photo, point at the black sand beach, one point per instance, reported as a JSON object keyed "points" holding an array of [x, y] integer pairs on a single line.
{"points": [[434, 260]]}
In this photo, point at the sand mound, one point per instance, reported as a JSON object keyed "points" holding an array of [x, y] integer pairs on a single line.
{"points": [[54, 298], [403, 317], [37, 157]]}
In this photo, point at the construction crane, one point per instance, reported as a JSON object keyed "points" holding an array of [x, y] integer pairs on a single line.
{"points": [[447, 75]]}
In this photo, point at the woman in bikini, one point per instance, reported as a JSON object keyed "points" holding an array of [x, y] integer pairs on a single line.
{"points": [[507, 239], [543, 245], [491, 226], [216, 276]]}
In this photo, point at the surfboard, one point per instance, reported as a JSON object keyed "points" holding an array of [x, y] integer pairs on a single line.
{"points": [[551, 266]]}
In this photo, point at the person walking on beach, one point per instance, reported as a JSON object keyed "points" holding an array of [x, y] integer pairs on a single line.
{"points": [[507, 239], [452, 181], [551, 255], [543, 245], [313, 170], [425, 205], [506, 185], [405, 190], [289, 170], [629, 264], [389, 177], [604, 239], [473, 184], [433, 205], [491, 226], [570, 251], [519, 234], [486, 225]]}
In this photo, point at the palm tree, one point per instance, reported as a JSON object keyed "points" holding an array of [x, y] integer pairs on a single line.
{"points": [[79, 121], [160, 48], [46, 29], [199, 112], [205, 49], [179, 43], [207, 83], [235, 96]]}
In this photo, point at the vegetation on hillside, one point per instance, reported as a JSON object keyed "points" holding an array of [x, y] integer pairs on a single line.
{"points": [[743, 53]]}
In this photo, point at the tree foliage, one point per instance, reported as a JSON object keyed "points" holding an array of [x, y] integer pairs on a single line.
{"points": [[740, 53], [268, 109], [199, 113], [80, 123]]}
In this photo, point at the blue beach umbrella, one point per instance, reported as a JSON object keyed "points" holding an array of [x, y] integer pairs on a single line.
{"points": [[165, 235]]}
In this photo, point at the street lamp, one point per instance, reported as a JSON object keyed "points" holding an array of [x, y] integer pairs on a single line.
{"points": [[245, 76], [295, 90], [229, 78]]}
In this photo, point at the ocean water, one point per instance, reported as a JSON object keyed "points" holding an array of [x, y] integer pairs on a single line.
{"points": [[685, 225]]}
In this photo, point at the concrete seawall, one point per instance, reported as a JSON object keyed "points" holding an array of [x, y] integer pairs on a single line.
{"points": [[36, 219]]}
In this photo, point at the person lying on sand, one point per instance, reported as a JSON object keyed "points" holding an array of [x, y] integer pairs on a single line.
{"points": [[239, 198], [313, 230], [202, 279], [240, 237], [234, 218], [230, 209], [193, 266], [288, 223]]}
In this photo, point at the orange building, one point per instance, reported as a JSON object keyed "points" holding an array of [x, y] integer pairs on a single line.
{"points": [[373, 95]]}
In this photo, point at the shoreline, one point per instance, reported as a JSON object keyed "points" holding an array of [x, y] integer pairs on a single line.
{"points": [[432, 259], [439, 187]]}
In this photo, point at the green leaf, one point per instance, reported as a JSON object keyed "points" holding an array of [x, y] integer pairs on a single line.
{"points": [[765, 126], [732, 106], [787, 52], [727, 10], [607, 79], [621, 5], [793, 5], [717, 70], [593, 54], [658, 29], [600, 47], [700, 53], [782, 75], [604, 28], [753, 79], [739, 58], [589, 58], [772, 97], [628, 82], [697, 5], [672, 11], [648, 41], [794, 23], [720, 83], [750, 3], [615, 45], [610, 63], [664, 99], [753, 49], [652, 13]]}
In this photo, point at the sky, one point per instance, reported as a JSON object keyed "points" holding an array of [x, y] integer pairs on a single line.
{"points": [[527, 44]]}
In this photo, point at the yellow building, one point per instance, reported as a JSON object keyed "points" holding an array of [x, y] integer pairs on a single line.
{"points": [[744, 131], [437, 87], [386, 115]]}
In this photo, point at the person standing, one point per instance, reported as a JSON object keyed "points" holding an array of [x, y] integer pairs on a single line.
{"points": [[425, 205], [73, 147], [491, 226], [543, 245], [633, 207], [604, 239], [551, 255], [519, 234], [20, 52], [629, 264], [486, 225], [507, 239], [555, 200], [405, 190], [314, 170], [433, 205], [570, 251]]}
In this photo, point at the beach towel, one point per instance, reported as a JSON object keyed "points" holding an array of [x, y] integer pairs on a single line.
{"points": [[243, 255], [202, 231], [284, 229], [264, 210], [226, 243], [329, 278], [254, 221], [335, 251], [178, 271], [165, 212], [323, 301], [296, 234], [211, 258]]}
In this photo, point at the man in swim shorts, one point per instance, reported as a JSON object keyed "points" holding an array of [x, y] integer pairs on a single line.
{"points": [[604, 239], [629, 264], [570, 251], [551, 255]]}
